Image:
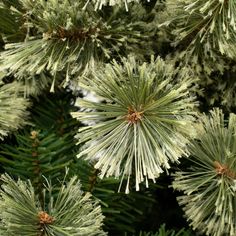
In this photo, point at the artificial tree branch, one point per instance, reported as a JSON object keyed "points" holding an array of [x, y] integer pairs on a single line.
{"points": [[142, 123], [208, 185], [69, 212]]}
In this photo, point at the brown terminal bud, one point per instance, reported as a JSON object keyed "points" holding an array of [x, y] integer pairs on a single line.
{"points": [[134, 116], [44, 218]]}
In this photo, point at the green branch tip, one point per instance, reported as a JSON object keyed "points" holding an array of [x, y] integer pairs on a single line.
{"points": [[209, 184], [143, 124], [69, 212]]}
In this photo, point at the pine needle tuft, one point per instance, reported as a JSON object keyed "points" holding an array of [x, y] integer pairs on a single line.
{"points": [[64, 37], [209, 185], [69, 212], [144, 122], [204, 28]]}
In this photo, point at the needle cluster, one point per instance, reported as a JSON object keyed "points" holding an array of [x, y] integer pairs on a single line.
{"points": [[209, 185], [69, 212], [65, 36], [144, 122]]}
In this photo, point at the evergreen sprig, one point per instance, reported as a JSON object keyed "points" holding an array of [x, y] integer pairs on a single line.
{"points": [[70, 212], [51, 112], [47, 147], [66, 36], [36, 154], [204, 28], [122, 212], [144, 122], [209, 185], [13, 105]]}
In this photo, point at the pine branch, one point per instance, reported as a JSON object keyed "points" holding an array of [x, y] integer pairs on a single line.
{"points": [[122, 212], [204, 28], [70, 212], [35, 85], [13, 108], [209, 185], [144, 122], [37, 154], [62, 36], [51, 112], [47, 147]]}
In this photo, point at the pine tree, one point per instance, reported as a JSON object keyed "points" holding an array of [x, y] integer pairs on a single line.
{"points": [[117, 117]]}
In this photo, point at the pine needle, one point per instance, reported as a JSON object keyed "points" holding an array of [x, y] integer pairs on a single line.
{"points": [[144, 123], [209, 184]]}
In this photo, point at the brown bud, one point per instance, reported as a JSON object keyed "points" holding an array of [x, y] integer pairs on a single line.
{"points": [[134, 116], [222, 169], [44, 218]]}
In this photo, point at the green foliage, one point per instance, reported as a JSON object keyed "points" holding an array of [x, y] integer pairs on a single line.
{"points": [[205, 27], [51, 112], [202, 35], [13, 105], [63, 36], [70, 212], [37, 154], [10, 23], [219, 89], [46, 147], [144, 122], [122, 212], [165, 232], [209, 185], [139, 125], [37, 84]]}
